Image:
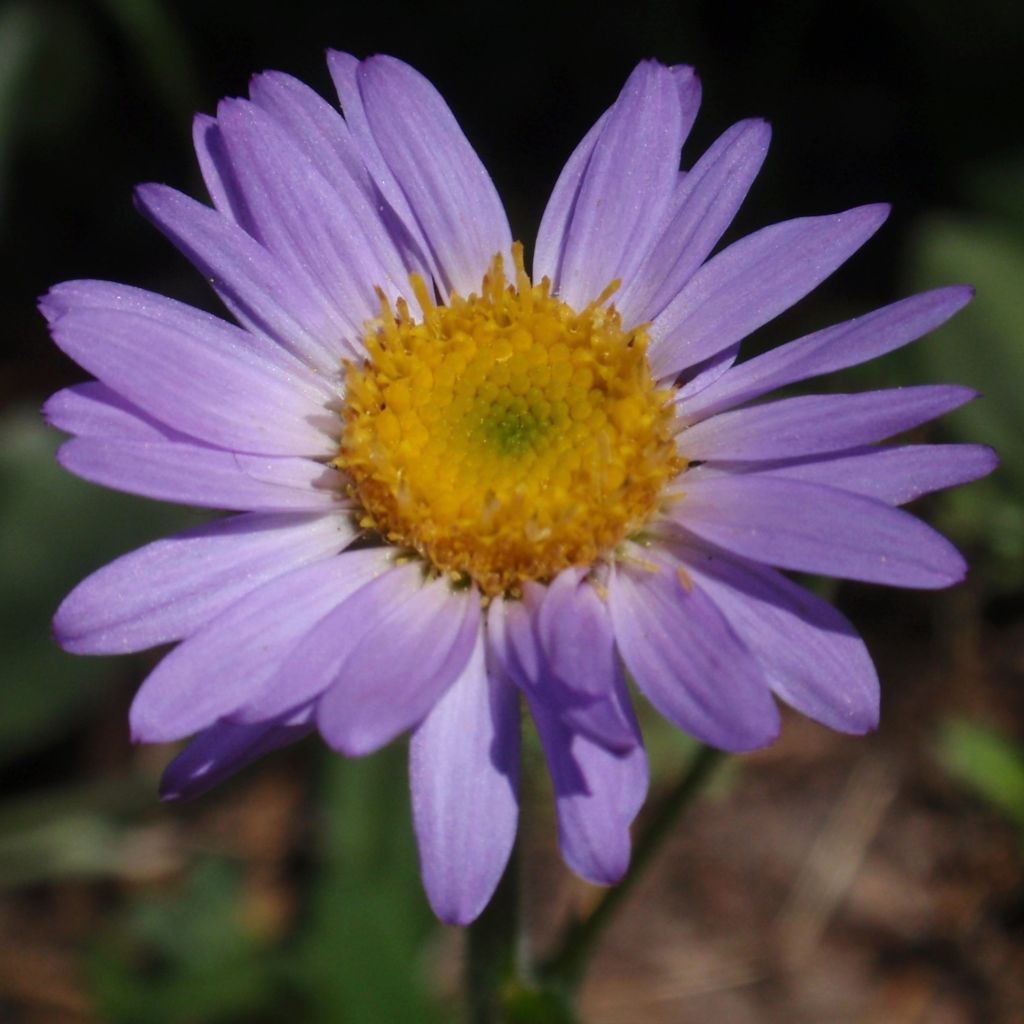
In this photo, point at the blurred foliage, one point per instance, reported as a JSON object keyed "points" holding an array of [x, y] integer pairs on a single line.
{"points": [[359, 952], [983, 347], [54, 529], [186, 955], [990, 764], [365, 941]]}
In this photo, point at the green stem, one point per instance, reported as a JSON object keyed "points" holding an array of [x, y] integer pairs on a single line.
{"points": [[492, 949], [565, 969]]}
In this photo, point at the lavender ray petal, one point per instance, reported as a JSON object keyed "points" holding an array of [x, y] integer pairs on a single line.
{"points": [[398, 669], [191, 474], [205, 385], [393, 205], [894, 474], [710, 196], [169, 589], [331, 236], [313, 666], [575, 633], [807, 527], [835, 348], [597, 795], [627, 186], [689, 89], [753, 281], [265, 295], [225, 748], [219, 174], [111, 297], [316, 127], [687, 660], [202, 380], [447, 187], [94, 410], [813, 424], [549, 248], [811, 654], [591, 708], [463, 772], [223, 666]]}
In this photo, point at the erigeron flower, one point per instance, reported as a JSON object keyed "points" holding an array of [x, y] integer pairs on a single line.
{"points": [[461, 487]]}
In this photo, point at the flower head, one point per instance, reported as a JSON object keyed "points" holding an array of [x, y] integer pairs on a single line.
{"points": [[461, 487]]}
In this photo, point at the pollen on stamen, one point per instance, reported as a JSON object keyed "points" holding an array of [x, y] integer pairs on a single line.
{"points": [[505, 436]]}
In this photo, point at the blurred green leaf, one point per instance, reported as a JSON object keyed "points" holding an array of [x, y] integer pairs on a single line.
{"points": [[362, 956], [54, 529], [988, 763], [982, 346], [187, 957], [998, 188], [538, 1006]]}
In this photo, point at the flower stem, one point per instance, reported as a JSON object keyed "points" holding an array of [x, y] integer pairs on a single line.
{"points": [[566, 967], [492, 949]]}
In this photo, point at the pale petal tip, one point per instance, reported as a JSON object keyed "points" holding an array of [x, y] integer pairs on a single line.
{"points": [[603, 867], [862, 722], [62, 631], [53, 304]]}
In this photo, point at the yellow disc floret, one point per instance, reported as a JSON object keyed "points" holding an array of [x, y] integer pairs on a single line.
{"points": [[505, 436]]}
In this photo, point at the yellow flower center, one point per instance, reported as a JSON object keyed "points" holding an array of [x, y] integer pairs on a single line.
{"points": [[506, 436]]}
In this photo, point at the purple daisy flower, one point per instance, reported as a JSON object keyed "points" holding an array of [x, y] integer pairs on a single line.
{"points": [[458, 486]]}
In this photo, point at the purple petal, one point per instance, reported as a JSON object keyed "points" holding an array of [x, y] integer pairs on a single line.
{"points": [[835, 348], [810, 528], [550, 246], [316, 127], [812, 424], [450, 193], [578, 642], [413, 650], [223, 749], [812, 656], [314, 227], [689, 89], [463, 769], [393, 206], [708, 200], [895, 475], [169, 589], [315, 665], [223, 666], [586, 705], [704, 374], [627, 186], [205, 381], [687, 660], [107, 296], [753, 281], [94, 410], [263, 293], [597, 795], [219, 174], [191, 474]]}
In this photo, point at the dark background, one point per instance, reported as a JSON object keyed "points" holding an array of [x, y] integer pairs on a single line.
{"points": [[829, 879]]}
